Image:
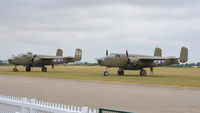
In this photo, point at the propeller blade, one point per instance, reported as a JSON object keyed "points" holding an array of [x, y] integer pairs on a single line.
{"points": [[126, 53], [128, 60], [32, 59], [106, 52]]}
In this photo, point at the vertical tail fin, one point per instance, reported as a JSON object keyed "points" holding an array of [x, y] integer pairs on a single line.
{"points": [[158, 52], [78, 54], [184, 55], [59, 52]]}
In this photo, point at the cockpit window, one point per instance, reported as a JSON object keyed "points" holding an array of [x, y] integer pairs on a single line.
{"points": [[20, 55], [112, 55], [24, 55]]}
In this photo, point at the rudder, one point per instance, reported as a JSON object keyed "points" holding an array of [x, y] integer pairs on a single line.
{"points": [[158, 52], [59, 52], [184, 55], [78, 54]]}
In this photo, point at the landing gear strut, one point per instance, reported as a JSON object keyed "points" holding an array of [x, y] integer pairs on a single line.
{"points": [[106, 72], [151, 70], [120, 72], [44, 69], [143, 72], [28, 69]]}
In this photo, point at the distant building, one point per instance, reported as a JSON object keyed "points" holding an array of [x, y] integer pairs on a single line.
{"points": [[195, 66]]}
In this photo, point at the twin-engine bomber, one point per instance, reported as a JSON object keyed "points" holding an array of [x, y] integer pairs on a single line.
{"points": [[139, 62], [34, 60]]}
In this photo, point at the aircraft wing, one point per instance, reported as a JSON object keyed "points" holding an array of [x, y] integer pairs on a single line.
{"points": [[156, 58], [50, 57], [55, 57]]}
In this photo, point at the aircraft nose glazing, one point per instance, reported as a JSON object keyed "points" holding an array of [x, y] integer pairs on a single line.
{"points": [[10, 60]]}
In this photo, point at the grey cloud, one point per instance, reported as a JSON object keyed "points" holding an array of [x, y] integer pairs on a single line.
{"points": [[117, 25]]}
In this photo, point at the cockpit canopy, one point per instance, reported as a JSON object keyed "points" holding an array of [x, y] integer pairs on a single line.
{"points": [[114, 55], [29, 53]]}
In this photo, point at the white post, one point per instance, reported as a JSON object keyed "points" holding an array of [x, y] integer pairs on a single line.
{"points": [[84, 109], [23, 105], [31, 105]]}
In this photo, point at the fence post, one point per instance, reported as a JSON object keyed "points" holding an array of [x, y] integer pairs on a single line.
{"points": [[84, 109], [23, 105], [31, 105]]}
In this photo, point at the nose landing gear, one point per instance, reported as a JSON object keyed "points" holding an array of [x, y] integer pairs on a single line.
{"points": [[15, 69], [106, 72]]}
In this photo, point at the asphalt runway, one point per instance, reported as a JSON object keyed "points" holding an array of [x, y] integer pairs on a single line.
{"points": [[129, 97]]}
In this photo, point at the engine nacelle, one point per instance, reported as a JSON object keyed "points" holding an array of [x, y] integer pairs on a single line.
{"points": [[36, 60], [134, 61]]}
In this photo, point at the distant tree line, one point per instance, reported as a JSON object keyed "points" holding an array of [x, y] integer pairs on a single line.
{"points": [[4, 62]]}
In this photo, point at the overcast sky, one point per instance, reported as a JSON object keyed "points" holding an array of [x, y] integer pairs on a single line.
{"points": [[42, 26]]}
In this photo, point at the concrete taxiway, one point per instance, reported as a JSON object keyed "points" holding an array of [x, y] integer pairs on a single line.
{"points": [[129, 97]]}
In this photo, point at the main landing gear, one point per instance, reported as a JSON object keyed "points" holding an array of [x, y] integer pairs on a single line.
{"points": [[44, 69], [143, 73], [120, 72], [28, 68]]}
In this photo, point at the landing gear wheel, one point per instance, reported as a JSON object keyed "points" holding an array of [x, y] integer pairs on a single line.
{"points": [[106, 73], [120, 72], [143, 73], [28, 69], [44, 69], [15, 70]]}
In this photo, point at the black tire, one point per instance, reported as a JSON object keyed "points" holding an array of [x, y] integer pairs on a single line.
{"points": [[120, 72], [143, 73], [44, 69], [28, 69], [106, 73], [15, 70]]}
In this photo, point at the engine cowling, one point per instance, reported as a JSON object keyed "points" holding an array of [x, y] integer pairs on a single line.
{"points": [[36, 60], [134, 61]]}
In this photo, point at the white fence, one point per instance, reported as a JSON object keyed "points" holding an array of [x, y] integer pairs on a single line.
{"points": [[10, 104]]}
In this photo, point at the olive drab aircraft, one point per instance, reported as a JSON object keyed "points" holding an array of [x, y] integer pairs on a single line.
{"points": [[139, 62], [34, 60]]}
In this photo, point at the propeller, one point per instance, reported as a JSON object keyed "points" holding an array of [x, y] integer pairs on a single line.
{"points": [[127, 56], [106, 52], [32, 59]]}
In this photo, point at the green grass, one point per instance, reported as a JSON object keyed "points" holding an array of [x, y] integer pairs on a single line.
{"points": [[186, 77]]}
